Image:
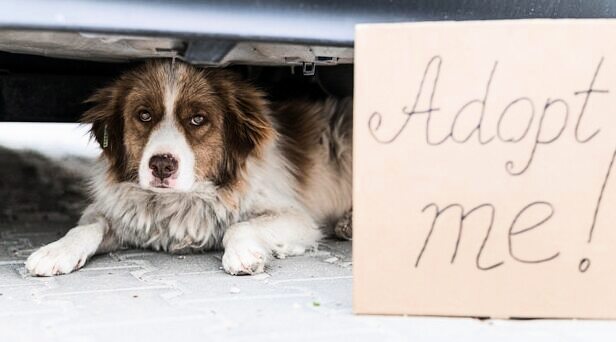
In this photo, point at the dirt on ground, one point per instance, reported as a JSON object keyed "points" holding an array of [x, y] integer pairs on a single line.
{"points": [[36, 187]]}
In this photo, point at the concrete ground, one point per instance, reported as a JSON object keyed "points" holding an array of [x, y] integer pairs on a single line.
{"points": [[140, 295]]}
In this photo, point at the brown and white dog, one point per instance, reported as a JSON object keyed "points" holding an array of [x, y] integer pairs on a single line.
{"points": [[196, 159]]}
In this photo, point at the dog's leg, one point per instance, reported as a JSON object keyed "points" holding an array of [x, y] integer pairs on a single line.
{"points": [[250, 244], [72, 251]]}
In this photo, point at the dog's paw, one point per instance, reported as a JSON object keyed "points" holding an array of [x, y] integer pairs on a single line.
{"points": [[244, 257], [344, 226], [60, 257]]}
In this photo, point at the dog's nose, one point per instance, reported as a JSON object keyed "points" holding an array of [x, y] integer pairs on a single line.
{"points": [[163, 165]]}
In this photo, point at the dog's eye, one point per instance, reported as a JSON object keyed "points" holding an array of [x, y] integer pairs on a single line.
{"points": [[197, 120], [145, 116]]}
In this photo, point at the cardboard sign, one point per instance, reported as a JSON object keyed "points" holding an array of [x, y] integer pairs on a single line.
{"points": [[484, 177]]}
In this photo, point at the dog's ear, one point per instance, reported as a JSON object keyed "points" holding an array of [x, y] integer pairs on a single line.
{"points": [[105, 116], [247, 128]]}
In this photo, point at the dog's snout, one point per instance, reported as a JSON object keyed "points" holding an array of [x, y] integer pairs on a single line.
{"points": [[163, 165]]}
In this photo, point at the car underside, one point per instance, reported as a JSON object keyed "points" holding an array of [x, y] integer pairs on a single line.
{"points": [[53, 55]]}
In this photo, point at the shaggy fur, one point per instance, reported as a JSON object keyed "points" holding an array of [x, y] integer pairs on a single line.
{"points": [[254, 178]]}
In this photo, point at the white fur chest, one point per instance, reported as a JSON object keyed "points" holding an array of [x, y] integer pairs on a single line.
{"points": [[174, 222]]}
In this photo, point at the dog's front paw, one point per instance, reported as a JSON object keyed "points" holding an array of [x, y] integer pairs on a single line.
{"points": [[60, 257], [244, 257]]}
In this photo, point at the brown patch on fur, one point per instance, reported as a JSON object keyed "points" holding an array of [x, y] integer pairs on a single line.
{"points": [[301, 126], [145, 94], [247, 125], [238, 122], [237, 119], [117, 108], [195, 96]]}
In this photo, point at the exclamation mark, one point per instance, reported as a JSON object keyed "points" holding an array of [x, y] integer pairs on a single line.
{"points": [[585, 262]]}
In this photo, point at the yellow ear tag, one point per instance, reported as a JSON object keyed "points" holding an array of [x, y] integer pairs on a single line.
{"points": [[105, 137]]}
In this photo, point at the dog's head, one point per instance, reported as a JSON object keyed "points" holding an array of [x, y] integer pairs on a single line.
{"points": [[168, 126]]}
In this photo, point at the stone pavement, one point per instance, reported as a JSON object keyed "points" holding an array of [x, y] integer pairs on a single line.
{"points": [[139, 295], [145, 296]]}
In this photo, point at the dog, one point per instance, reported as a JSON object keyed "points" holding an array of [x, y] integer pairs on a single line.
{"points": [[197, 159]]}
